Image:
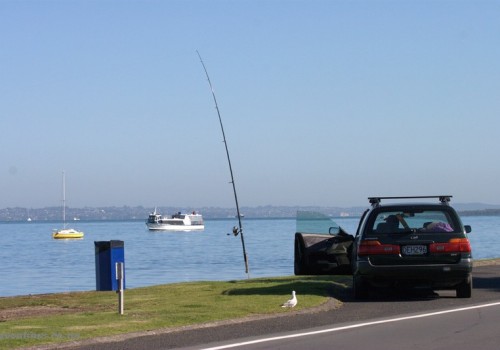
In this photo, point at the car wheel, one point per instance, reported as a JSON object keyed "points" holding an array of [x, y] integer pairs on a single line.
{"points": [[359, 287], [464, 289]]}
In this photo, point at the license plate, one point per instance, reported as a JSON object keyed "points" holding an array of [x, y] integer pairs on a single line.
{"points": [[414, 249]]}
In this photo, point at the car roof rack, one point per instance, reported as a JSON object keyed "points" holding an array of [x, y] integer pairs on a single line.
{"points": [[375, 201]]}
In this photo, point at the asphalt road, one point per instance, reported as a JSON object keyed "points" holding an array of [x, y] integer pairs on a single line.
{"points": [[381, 306], [463, 328]]}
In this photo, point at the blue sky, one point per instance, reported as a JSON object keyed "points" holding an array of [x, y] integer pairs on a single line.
{"points": [[323, 102]]}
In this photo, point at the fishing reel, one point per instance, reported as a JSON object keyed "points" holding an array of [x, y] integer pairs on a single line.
{"points": [[236, 231]]}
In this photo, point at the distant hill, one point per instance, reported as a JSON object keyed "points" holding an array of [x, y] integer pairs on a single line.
{"points": [[482, 212], [474, 206], [141, 213]]}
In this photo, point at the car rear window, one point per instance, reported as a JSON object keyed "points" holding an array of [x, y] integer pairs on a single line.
{"points": [[394, 221]]}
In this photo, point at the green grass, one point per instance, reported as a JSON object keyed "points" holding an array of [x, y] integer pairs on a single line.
{"points": [[56, 318]]}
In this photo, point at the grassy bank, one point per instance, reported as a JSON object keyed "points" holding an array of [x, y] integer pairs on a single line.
{"points": [[56, 318]]}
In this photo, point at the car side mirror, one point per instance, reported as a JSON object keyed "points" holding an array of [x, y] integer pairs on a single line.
{"points": [[334, 230], [467, 228]]}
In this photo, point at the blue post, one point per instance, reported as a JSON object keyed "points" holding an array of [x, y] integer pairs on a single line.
{"points": [[107, 254]]}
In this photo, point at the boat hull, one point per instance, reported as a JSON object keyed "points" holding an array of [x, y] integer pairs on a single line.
{"points": [[168, 227], [67, 234]]}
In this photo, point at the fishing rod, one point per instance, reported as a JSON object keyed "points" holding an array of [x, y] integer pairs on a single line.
{"points": [[236, 230]]}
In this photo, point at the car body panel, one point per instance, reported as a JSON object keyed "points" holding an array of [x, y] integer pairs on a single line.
{"points": [[321, 246], [317, 254]]}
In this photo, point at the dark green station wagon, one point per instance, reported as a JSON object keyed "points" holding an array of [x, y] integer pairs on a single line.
{"points": [[397, 245]]}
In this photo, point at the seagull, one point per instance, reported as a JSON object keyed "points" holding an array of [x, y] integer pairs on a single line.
{"points": [[292, 302]]}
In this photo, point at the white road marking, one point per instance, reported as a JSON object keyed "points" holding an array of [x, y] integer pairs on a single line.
{"points": [[329, 330]]}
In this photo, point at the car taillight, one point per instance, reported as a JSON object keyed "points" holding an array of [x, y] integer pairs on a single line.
{"points": [[377, 248], [454, 245]]}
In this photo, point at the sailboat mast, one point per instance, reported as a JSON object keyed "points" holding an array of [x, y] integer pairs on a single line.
{"points": [[64, 198]]}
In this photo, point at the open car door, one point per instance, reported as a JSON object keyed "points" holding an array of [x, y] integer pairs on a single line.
{"points": [[321, 246]]}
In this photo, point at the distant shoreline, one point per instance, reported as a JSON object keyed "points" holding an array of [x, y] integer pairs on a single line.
{"points": [[125, 213]]}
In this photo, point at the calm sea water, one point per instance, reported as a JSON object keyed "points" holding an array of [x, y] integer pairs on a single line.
{"points": [[31, 262]]}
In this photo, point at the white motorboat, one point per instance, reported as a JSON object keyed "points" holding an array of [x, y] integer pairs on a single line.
{"points": [[176, 222]]}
